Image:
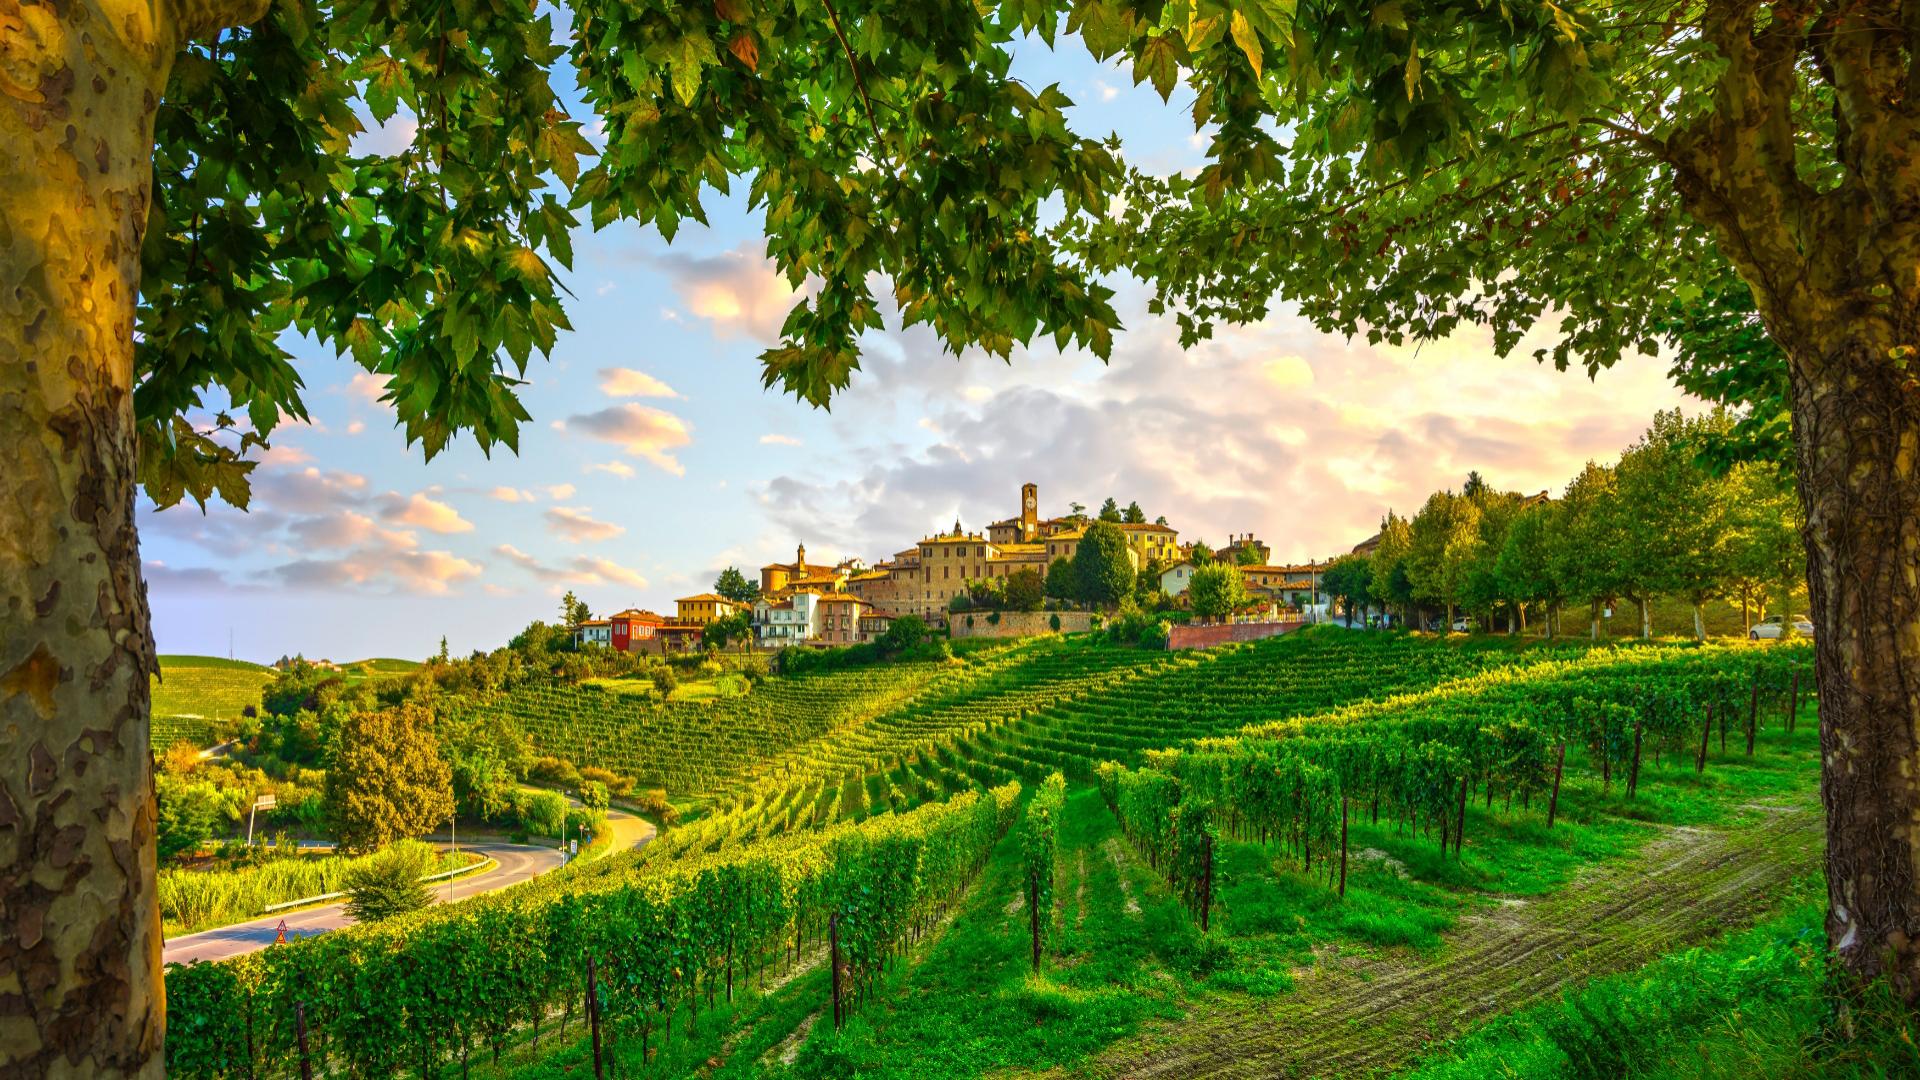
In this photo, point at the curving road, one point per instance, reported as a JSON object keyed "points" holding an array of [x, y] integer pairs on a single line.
{"points": [[516, 863]]}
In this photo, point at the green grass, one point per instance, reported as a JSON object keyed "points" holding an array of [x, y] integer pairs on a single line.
{"points": [[193, 694], [720, 686], [1751, 1005]]}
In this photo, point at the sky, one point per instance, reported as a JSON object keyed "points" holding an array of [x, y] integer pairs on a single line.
{"points": [[655, 458]]}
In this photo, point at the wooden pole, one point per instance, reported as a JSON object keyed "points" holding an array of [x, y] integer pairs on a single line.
{"points": [[1553, 802], [1460, 828], [1700, 763], [1033, 914], [1343, 847], [833, 940], [1633, 774], [593, 1017], [300, 1033], [1206, 881], [1753, 712], [1793, 703]]}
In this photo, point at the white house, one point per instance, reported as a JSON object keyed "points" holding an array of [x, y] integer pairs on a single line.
{"points": [[786, 622], [594, 632], [1175, 579]]}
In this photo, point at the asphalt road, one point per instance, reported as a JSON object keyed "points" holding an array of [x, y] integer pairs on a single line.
{"points": [[516, 863]]}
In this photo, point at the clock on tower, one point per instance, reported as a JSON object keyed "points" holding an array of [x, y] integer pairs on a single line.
{"points": [[1029, 519]]}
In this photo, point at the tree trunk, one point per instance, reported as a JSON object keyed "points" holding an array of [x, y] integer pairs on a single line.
{"points": [[1596, 620], [1646, 618], [1699, 622], [79, 919], [1857, 431]]}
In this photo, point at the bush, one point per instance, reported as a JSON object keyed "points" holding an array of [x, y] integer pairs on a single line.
{"points": [[542, 812], [615, 783], [665, 681], [553, 770], [388, 883], [1053, 621], [593, 794]]}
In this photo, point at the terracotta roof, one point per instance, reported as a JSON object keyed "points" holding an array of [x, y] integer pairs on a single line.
{"points": [[704, 597], [1010, 550], [871, 575], [596, 622], [840, 598], [1140, 526]]}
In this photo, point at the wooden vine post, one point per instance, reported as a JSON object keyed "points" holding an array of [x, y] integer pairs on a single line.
{"points": [[1706, 732], [1033, 914], [1793, 703], [1553, 801], [1633, 773], [1343, 846], [1460, 823], [833, 947], [1206, 879], [593, 1016], [1753, 711], [300, 1034]]}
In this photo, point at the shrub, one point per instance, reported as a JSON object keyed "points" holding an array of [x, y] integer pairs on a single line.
{"points": [[553, 770], [615, 783], [542, 812], [1053, 621], [593, 794], [388, 883]]}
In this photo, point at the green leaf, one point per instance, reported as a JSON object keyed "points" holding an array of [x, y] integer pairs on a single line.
{"points": [[1248, 41], [1159, 61]]}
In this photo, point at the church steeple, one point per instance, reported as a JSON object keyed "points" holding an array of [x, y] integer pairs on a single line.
{"points": [[800, 559]]}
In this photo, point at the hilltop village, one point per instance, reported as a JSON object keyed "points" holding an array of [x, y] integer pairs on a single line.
{"points": [[853, 601]]}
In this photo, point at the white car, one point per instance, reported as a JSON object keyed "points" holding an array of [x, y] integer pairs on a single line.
{"points": [[1771, 628], [1462, 625]]}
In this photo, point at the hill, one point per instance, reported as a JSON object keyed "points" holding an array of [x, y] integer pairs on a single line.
{"points": [[192, 693]]}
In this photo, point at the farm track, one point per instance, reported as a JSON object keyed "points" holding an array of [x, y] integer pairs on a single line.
{"points": [[1365, 1013]]}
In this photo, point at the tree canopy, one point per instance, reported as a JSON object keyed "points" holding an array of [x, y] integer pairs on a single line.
{"points": [[386, 780], [734, 585], [1103, 565]]}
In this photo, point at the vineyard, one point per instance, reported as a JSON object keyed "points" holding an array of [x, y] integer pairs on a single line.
{"points": [[1250, 807], [192, 693], [620, 950]]}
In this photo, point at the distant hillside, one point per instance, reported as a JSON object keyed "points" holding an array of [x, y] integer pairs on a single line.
{"points": [[192, 692], [384, 665]]}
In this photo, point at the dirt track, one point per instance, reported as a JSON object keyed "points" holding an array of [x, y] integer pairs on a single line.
{"points": [[1356, 1016]]}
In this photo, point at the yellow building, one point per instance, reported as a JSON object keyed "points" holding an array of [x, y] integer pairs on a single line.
{"points": [[1152, 542], [777, 578], [705, 608]]}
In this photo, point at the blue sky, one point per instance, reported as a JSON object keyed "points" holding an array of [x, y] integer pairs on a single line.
{"points": [[655, 458]]}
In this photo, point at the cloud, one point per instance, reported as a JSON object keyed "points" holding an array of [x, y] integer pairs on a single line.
{"points": [[617, 468], [510, 495], [738, 292], [308, 490], [1106, 90], [559, 492], [388, 139], [779, 440], [609, 570], [163, 578], [1276, 428], [642, 430], [576, 526], [369, 388], [626, 382], [346, 529], [579, 570], [422, 512], [356, 427], [1288, 372], [284, 453]]}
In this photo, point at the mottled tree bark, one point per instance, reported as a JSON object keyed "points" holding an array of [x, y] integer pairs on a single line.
{"points": [[1835, 272], [81, 993]]}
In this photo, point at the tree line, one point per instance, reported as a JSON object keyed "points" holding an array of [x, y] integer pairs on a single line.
{"points": [[1665, 520]]}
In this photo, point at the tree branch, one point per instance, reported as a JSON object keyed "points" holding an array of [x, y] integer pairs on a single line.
{"points": [[860, 84]]}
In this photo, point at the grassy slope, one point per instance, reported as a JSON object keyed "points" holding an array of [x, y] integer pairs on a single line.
{"points": [[192, 691], [1131, 987], [1285, 946]]}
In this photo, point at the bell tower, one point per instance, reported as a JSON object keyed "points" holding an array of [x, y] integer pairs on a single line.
{"points": [[800, 560], [1029, 512]]}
